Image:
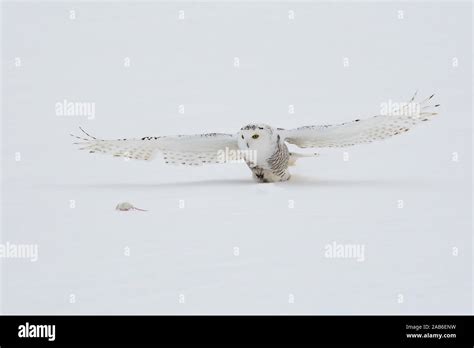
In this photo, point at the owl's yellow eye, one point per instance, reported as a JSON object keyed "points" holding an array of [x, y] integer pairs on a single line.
{"points": [[255, 136]]}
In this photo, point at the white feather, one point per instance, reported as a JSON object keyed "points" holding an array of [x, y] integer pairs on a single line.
{"points": [[181, 149], [360, 131]]}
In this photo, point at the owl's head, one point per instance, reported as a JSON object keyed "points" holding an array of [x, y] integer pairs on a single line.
{"points": [[258, 137]]}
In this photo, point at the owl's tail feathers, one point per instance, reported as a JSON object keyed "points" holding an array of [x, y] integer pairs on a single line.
{"points": [[294, 156]]}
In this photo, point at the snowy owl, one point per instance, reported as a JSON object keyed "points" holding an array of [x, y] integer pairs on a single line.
{"points": [[263, 148]]}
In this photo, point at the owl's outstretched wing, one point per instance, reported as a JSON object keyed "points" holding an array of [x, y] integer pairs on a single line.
{"points": [[179, 149], [362, 131]]}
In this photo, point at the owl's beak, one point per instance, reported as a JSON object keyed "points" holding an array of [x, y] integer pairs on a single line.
{"points": [[248, 145]]}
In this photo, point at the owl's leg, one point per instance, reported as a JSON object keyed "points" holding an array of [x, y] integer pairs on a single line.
{"points": [[258, 174], [265, 175]]}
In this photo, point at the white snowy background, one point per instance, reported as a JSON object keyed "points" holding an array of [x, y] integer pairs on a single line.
{"points": [[236, 246]]}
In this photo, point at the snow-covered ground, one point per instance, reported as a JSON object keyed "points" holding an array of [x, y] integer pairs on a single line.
{"points": [[212, 240]]}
